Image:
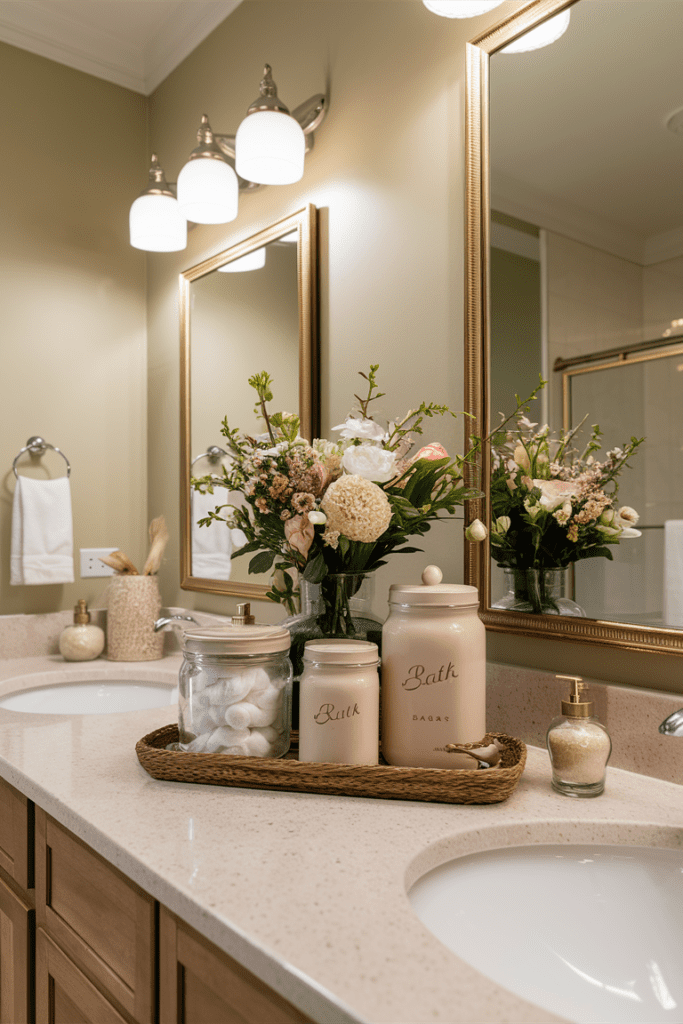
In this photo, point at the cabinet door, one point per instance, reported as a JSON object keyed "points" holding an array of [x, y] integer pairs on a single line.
{"points": [[199, 983], [16, 835], [63, 994], [101, 919], [16, 958]]}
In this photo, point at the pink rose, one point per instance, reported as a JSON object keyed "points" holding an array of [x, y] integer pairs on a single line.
{"points": [[299, 533], [431, 452]]}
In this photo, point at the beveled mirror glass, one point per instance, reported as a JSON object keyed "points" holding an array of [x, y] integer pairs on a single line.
{"points": [[250, 308], [575, 271]]}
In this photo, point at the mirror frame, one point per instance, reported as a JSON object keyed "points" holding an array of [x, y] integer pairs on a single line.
{"points": [[305, 221], [478, 350]]}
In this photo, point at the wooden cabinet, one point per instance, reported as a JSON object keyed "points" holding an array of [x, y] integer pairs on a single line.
{"points": [[16, 835], [100, 919], [16, 957], [199, 984], [63, 993]]}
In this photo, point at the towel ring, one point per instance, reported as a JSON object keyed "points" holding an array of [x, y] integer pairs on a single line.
{"points": [[36, 446], [213, 453]]}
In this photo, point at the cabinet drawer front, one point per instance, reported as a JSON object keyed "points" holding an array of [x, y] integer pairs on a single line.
{"points": [[16, 958], [16, 819], [100, 918], [200, 983], [63, 994]]}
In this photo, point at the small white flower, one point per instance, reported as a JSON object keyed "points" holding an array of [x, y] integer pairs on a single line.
{"points": [[628, 532], [554, 492], [476, 531], [607, 517], [370, 462], [358, 426], [316, 517], [501, 526], [532, 508]]}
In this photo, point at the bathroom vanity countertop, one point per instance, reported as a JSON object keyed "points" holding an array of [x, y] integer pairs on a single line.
{"points": [[307, 891]]}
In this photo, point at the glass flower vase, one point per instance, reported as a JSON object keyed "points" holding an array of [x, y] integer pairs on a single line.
{"points": [[339, 607], [539, 592]]}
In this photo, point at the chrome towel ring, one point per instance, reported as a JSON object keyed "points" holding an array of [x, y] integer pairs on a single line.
{"points": [[37, 446], [213, 453]]}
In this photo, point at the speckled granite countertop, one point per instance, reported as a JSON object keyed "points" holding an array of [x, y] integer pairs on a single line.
{"points": [[307, 891]]}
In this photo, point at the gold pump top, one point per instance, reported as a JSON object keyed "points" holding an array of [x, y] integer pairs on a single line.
{"points": [[81, 613], [244, 616], [577, 706]]}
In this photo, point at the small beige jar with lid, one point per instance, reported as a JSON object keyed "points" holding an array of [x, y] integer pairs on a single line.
{"points": [[339, 702], [579, 745], [84, 641]]}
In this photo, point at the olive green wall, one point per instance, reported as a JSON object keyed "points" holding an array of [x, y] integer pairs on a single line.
{"points": [[72, 295]]}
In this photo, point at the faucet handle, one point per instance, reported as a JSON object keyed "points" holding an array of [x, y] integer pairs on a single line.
{"points": [[169, 621]]}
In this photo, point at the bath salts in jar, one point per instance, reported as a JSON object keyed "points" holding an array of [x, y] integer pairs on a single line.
{"points": [[236, 691], [339, 702]]}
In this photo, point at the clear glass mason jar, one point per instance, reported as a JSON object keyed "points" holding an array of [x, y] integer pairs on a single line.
{"points": [[236, 691]]}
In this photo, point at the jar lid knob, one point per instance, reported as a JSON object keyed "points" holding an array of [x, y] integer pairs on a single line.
{"points": [[432, 575]]}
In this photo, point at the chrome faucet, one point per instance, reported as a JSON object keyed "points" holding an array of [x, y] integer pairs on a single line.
{"points": [[160, 623], [673, 725]]}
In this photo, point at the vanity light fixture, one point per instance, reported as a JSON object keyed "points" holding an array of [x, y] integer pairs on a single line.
{"points": [[156, 223], [270, 143], [207, 184], [461, 8], [272, 146], [543, 35], [251, 261]]}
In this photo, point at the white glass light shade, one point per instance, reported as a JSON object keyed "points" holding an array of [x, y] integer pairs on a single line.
{"points": [[157, 225], [207, 191], [543, 35], [460, 8], [252, 261], [270, 148]]}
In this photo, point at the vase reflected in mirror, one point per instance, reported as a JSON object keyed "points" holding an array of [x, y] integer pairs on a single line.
{"points": [[538, 592]]}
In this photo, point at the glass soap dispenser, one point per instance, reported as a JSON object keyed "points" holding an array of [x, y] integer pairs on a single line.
{"points": [[578, 744]]}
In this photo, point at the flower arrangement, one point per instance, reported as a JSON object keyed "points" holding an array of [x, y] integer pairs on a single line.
{"points": [[551, 504], [315, 508]]}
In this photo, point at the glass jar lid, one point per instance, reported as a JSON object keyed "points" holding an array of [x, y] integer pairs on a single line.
{"points": [[341, 652], [237, 639], [432, 592]]}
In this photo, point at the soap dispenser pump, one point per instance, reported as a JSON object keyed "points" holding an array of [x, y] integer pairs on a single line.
{"points": [[83, 641], [579, 745]]}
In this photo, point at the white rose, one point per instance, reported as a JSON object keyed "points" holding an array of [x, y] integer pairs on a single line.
{"points": [[370, 462], [317, 518], [362, 428], [502, 525], [627, 516], [554, 492]]}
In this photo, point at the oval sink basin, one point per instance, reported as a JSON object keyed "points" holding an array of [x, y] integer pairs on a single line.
{"points": [[91, 697], [590, 933]]}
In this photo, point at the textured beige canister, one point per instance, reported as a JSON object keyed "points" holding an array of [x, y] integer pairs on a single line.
{"points": [[133, 607], [433, 673]]}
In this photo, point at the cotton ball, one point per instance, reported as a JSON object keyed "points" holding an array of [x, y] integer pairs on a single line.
{"points": [[270, 734], [245, 714], [240, 749], [224, 737], [260, 681], [257, 745], [199, 722], [270, 698], [198, 744]]}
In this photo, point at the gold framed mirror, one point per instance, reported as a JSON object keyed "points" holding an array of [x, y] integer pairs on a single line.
{"points": [[594, 83], [250, 308]]}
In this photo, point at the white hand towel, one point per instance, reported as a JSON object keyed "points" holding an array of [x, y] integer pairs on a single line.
{"points": [[211, 545], [42, 532], [673, 572]]}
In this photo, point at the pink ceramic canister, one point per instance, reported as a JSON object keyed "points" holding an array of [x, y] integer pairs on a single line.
{"points": [[433, 688]]}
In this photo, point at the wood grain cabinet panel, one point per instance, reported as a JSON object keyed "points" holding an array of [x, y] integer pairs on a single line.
{"points": [[63, 993], [199, 984], [16, 835], [99, 918], [17, 926]]}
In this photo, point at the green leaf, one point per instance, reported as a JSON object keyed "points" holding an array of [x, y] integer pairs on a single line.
{"points": [[315, 570], [262, 562]]}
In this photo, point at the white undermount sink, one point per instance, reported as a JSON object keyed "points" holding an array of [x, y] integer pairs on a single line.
{"points": [[91, 697], [590, 933]]}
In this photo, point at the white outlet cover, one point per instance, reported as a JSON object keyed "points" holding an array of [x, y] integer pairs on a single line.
{"points": [[91, 565]]}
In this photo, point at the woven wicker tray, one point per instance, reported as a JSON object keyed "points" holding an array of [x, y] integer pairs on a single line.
{"points": [[437, 785]]}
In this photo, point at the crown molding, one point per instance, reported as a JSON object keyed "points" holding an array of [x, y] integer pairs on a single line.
{"points": [[141, 65]]}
